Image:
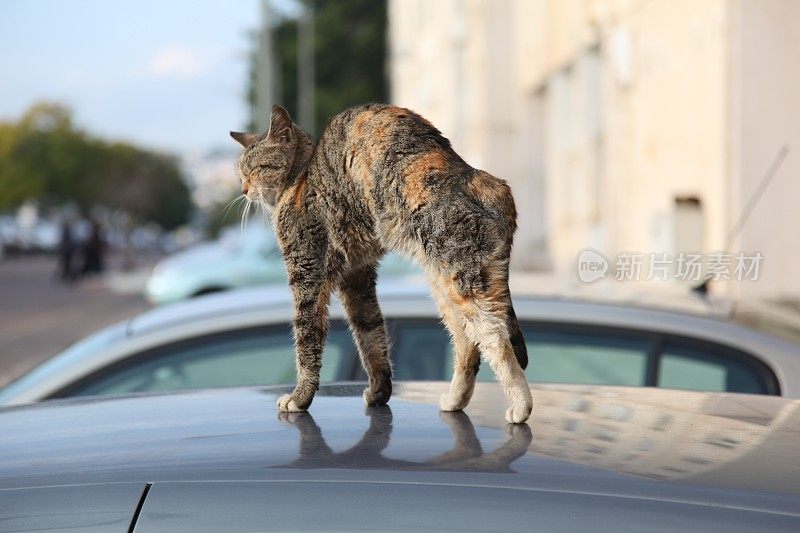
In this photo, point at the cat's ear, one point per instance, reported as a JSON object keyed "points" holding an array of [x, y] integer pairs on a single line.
{"points": [[280, 125], [245, 139]]}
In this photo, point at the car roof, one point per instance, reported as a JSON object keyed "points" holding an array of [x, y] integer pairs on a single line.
{"points": [[244, 300], [224, 459], [527, 288], [721, 449]]}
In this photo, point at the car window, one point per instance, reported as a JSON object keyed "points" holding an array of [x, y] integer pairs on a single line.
{"points": [[690, 368], [572, 356], [562, 353], [262, 356], [423, 351], [419, 352]]}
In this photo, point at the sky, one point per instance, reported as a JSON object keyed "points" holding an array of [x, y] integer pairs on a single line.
{"points": [[165, 74]]}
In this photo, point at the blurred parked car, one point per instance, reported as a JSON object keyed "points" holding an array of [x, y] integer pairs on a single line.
{"points": [[39, 236], [593, 459], [244, 338], [239, 258], [8, 234]]}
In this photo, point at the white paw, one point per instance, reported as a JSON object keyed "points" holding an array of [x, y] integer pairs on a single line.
{"points": [[518, 413], [286, 404], [372, 398], [446, 403]]}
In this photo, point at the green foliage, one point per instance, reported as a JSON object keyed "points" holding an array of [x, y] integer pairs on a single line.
{"points": [[350, 42], [44, 157], [349, 57]]}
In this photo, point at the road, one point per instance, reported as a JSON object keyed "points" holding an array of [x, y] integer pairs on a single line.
{"points": [[39, 316]]}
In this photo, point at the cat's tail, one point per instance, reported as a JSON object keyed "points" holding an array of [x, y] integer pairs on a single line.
{"points": [[517, 340]]}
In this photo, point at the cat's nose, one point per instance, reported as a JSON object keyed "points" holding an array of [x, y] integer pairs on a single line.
{"points": [[245, 187]]}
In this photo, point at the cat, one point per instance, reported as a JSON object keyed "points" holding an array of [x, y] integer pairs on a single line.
{"points": [[383, 178]]}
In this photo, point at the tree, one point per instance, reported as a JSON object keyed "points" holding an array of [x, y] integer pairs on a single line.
{"points": [[43, 156], [350, 57], [147, 185], [38, 156]]}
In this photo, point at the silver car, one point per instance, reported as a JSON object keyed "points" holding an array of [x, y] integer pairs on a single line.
{"points": [[590, 459], [243, 338]]}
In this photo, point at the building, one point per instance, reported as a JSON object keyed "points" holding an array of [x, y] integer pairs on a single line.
{"points": [[639, 126]]}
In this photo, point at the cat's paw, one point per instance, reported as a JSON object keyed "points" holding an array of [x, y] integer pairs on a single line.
{"points": [[447, 403], [286, 404], [520, 433], [376, 396], [518, 414], [290, 418]]}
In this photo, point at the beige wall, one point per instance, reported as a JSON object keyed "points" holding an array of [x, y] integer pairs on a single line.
{"points": [[635, 115], [461, 75], [765, 104], [601, 112]]}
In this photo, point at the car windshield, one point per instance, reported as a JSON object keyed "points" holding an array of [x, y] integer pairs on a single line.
{"points": [[65, 362]]}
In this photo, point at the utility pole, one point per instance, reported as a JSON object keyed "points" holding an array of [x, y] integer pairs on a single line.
{"points": [[268, 75], [305, 67]]}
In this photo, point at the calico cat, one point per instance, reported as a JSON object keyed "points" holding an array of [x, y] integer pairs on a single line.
{"points": [[383, 178]]}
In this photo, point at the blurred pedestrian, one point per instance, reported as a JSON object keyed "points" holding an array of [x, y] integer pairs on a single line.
{"points": [[93, 250], [66, 253]]}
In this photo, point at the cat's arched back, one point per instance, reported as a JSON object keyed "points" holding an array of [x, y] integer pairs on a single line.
{"points": [[383, 178]]}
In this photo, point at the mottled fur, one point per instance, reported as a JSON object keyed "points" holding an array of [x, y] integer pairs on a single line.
{"points": [[383, 178]]}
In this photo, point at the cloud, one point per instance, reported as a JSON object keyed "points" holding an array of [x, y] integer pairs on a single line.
{"points": [[177, 61]]}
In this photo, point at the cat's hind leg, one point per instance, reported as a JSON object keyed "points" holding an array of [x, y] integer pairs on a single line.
{"points": [[486, 308], [360, 302], [466, 357]]}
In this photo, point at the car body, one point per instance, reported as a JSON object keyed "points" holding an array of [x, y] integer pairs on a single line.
{"points": [[241, 257], [244, 338], [592, 459]]}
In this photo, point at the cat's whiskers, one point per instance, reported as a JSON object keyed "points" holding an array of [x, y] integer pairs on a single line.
{"points": [[230, 204], [263, 206], [260, 208], [246, 213]]}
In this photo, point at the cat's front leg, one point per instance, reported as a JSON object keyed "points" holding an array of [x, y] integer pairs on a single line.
{"points": [[311, 296], [360, 301]]}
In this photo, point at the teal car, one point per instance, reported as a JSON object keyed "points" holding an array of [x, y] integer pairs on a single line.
{"points": [[239, 258]]}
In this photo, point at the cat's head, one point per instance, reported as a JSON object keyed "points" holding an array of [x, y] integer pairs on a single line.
{"points": [[267, 160]]}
